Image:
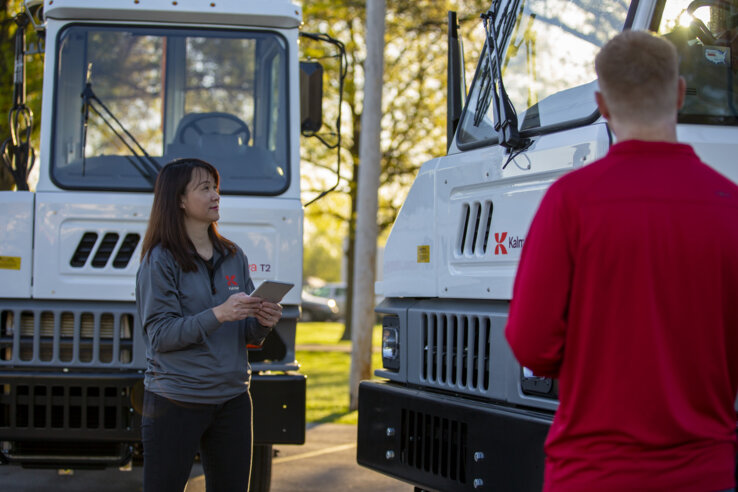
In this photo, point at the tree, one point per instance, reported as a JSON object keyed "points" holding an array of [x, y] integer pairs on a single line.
{"points": [[34, 74], [366, 225], [414, 110]]}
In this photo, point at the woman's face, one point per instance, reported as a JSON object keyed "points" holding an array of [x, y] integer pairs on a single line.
{"points": [[201, 199]]}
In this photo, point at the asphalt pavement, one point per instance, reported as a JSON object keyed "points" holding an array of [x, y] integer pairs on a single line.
{"points": [[327, 461]]}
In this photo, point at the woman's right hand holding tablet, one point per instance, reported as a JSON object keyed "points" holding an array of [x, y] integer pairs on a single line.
{"points": [[237, 307]]}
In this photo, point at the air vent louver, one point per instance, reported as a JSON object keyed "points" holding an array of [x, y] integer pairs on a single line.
{"points": [[84, 248], [476, 221], [434, 444], [126, 250], [107, 245]]}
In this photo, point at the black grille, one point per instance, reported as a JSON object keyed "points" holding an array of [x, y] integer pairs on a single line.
{"points": [[107, 245], [65, 406], [84, 248], [434, 445], [126, 250]]}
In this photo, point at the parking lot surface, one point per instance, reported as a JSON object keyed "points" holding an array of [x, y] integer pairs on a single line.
{"points": [[327, 461]]}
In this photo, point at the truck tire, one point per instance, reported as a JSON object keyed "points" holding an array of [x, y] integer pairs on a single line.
{"points": [[261, 468]]}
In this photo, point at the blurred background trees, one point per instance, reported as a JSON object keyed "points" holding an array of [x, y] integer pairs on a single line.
{"points": [[413, 121], [34, 71]]}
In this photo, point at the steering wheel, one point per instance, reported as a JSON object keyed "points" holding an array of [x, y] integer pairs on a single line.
{"points": [[698, 27], [212, 124]]}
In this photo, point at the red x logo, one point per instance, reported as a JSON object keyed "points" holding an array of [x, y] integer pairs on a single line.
{"points": [[231, 280], [500, 238]]}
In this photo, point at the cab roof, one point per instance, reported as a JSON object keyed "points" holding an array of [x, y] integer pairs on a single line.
{"points": [[271, 13]]}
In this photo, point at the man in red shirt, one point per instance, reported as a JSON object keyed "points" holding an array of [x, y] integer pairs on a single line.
{"points": [[627, 292]]}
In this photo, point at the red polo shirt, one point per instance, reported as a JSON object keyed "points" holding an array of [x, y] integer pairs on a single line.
{"points": [[627, 291]]}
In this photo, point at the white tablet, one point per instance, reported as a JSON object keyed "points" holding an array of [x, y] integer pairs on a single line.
{"points": [[271, 290]]}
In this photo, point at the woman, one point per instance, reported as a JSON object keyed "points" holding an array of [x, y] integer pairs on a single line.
{"points": [[192, 296]]}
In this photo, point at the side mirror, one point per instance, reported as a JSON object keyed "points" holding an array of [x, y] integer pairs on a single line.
{"points": [[311, 97]]}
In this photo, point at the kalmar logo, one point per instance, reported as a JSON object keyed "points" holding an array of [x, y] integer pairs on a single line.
{"points": [[231, 280], [500, 239]]}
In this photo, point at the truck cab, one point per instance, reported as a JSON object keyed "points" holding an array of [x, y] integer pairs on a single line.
{"points": [[454, 410], [127, 88]]}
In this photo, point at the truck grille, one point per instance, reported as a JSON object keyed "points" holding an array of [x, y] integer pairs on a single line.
{"points": [[41, 406], [456, 351], [434, 444], [52, 334]]}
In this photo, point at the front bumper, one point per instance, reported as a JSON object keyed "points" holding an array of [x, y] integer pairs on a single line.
{"points": [[441, 442], [279, 408], [75, 420], [93, 420]]}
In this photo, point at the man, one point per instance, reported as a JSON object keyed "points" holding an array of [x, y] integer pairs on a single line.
{"points": [[627, 291]]}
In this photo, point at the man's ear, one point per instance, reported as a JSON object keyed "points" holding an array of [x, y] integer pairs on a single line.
{"points": [[602, 105], [681, 91]]}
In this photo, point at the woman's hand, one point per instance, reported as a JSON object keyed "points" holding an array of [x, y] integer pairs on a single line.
{"points": [[269, 314], [238, 307]]}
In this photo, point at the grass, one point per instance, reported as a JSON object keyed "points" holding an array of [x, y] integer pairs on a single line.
{"points": [[328, 371]]}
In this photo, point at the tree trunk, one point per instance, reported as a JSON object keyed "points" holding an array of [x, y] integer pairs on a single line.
{"points": [[362, 320], [350, 258]]}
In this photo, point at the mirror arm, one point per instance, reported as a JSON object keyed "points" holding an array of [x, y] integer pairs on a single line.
{"points": [[343, 71]]}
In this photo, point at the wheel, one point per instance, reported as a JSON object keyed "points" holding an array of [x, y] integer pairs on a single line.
{"points": [[261, 469]]}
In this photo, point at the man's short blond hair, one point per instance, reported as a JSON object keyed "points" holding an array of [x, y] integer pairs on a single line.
{"points": [[638, 76]]}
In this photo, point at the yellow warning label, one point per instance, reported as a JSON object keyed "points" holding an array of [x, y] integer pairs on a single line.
{"points": [[424, 254], [10, 262]]}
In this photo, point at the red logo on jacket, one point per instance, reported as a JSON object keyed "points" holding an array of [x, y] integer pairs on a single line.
{"points": [[499, 247], [231, 280]]}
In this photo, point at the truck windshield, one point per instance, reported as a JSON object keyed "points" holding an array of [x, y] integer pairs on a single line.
{"points": [[548, 49], [705, 34], [220, 96]]}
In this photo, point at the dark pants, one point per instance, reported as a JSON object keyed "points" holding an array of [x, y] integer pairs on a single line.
{"points": [[172, 431]]}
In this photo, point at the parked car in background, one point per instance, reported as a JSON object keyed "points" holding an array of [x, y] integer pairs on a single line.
{"points": [[316, 308], [337, 292], [332, 290]]}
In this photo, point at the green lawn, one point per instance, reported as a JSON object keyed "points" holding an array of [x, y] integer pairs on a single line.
{"points": [[328, 371]]}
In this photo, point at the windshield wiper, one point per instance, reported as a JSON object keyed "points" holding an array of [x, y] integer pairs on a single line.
{"points": [[143, 162], [506, 119]]}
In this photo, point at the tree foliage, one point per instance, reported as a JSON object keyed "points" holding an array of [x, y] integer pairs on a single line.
{"points": [[413, 108], [34, 74]]}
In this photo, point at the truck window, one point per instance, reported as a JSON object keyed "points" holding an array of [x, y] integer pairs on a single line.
{"points": [[548, 64], [705, 34], [220, 96]]}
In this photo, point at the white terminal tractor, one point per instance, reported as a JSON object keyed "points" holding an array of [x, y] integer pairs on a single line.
{"points": [[127, 87], [454, 410]]}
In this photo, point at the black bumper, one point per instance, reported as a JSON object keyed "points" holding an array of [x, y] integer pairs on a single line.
{"points": [[64, 420], [447, 443], [279, 408], [69, 420]]}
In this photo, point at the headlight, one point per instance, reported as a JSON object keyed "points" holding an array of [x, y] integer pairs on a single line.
{"points": [[391, 342], [537, 385], [331, 303]]}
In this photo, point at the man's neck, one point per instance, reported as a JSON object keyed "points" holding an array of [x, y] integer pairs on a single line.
{"points": [[664, 132]]}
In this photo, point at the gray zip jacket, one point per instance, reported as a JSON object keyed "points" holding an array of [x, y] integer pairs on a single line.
{"points": [[190, 356]]}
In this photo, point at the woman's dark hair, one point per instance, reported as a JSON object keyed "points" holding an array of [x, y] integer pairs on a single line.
{"points": [[166, 221]]}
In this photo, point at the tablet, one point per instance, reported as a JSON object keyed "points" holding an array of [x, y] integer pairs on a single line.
{"points": [[271, 290]]}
